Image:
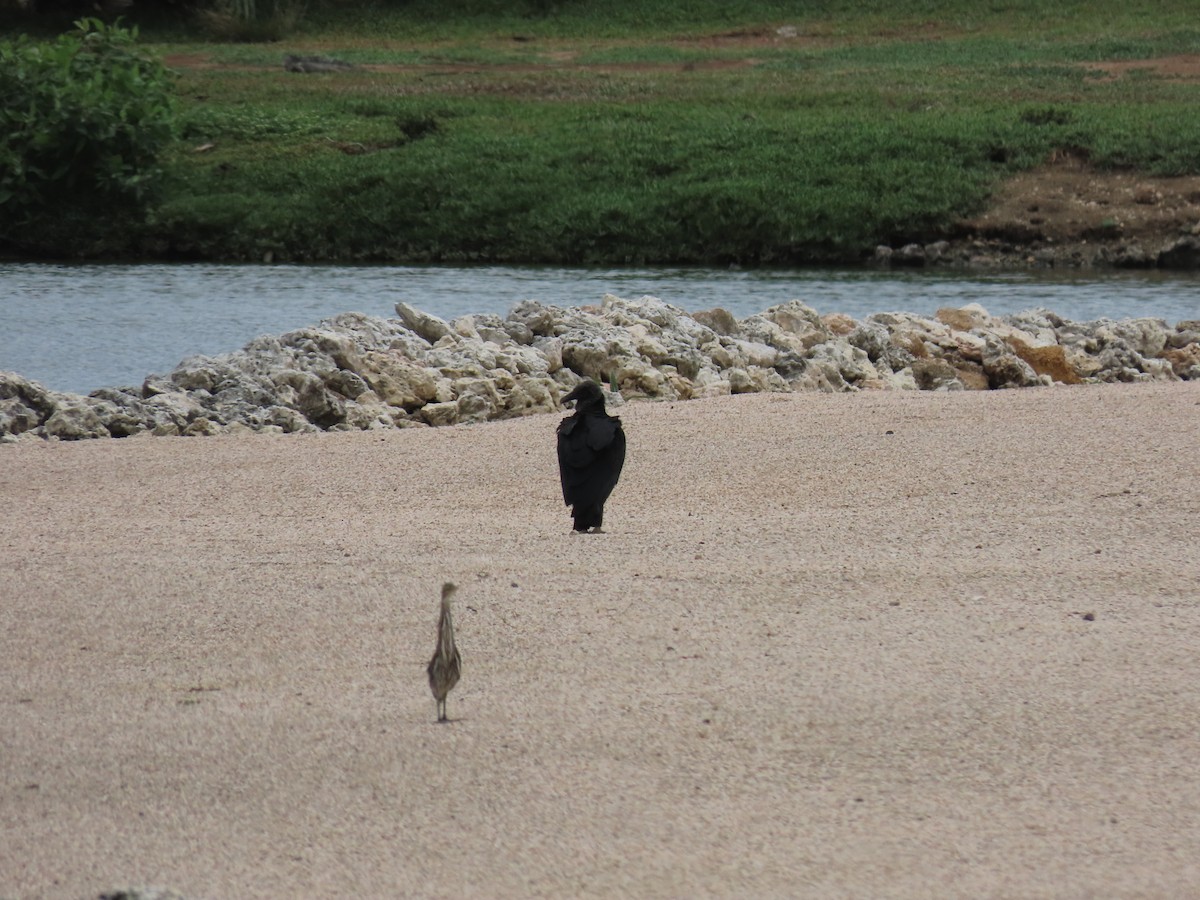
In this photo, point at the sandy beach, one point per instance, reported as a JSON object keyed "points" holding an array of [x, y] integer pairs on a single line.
{"points": [[873, 645]]}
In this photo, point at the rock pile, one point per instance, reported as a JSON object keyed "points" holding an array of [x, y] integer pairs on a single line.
{"points": [[360, 372]]}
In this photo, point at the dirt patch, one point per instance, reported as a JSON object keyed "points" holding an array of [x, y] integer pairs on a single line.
{"points": [[755, 39], [193, 61], [1069, 212], [1176, 68], [556, 63], [1068, 200]]}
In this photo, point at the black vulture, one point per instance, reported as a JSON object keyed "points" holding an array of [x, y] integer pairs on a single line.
{"points": [[591, 452], [446, 664]]}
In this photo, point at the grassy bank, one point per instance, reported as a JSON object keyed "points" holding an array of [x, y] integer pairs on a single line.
{"points": [[749, 132]]}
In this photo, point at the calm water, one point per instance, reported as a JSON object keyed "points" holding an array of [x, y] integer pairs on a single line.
{"points": [[81, 327]]}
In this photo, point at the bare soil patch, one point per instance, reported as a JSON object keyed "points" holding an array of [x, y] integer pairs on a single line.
{"points": [[1069, 201], [1185, 67]]}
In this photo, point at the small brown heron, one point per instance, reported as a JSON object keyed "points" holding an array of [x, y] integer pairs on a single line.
{"points": [[446, 664]]}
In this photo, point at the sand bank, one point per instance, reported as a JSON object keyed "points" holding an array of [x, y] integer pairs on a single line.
{"points": [[881, 644]]}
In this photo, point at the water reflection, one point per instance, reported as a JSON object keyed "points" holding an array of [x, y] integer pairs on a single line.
{"points": [[80, 327]]}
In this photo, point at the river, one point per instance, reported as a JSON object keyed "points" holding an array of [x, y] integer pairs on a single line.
{"points": [[81, 327]]}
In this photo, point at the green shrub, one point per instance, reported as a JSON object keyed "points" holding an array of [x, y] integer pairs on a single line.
{"points": [[83, 120]]}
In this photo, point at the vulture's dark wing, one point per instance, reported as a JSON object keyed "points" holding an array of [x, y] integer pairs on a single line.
{"points": [[591, 452]]}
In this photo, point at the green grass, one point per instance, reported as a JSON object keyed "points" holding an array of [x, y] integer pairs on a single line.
{"points": [[646, 132]]}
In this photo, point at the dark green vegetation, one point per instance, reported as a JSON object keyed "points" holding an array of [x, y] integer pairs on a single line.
{"points": [[83, 120], [637, 131]]}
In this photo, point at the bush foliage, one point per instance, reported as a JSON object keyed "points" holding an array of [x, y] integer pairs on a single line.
{"points": [[83, 121]]}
